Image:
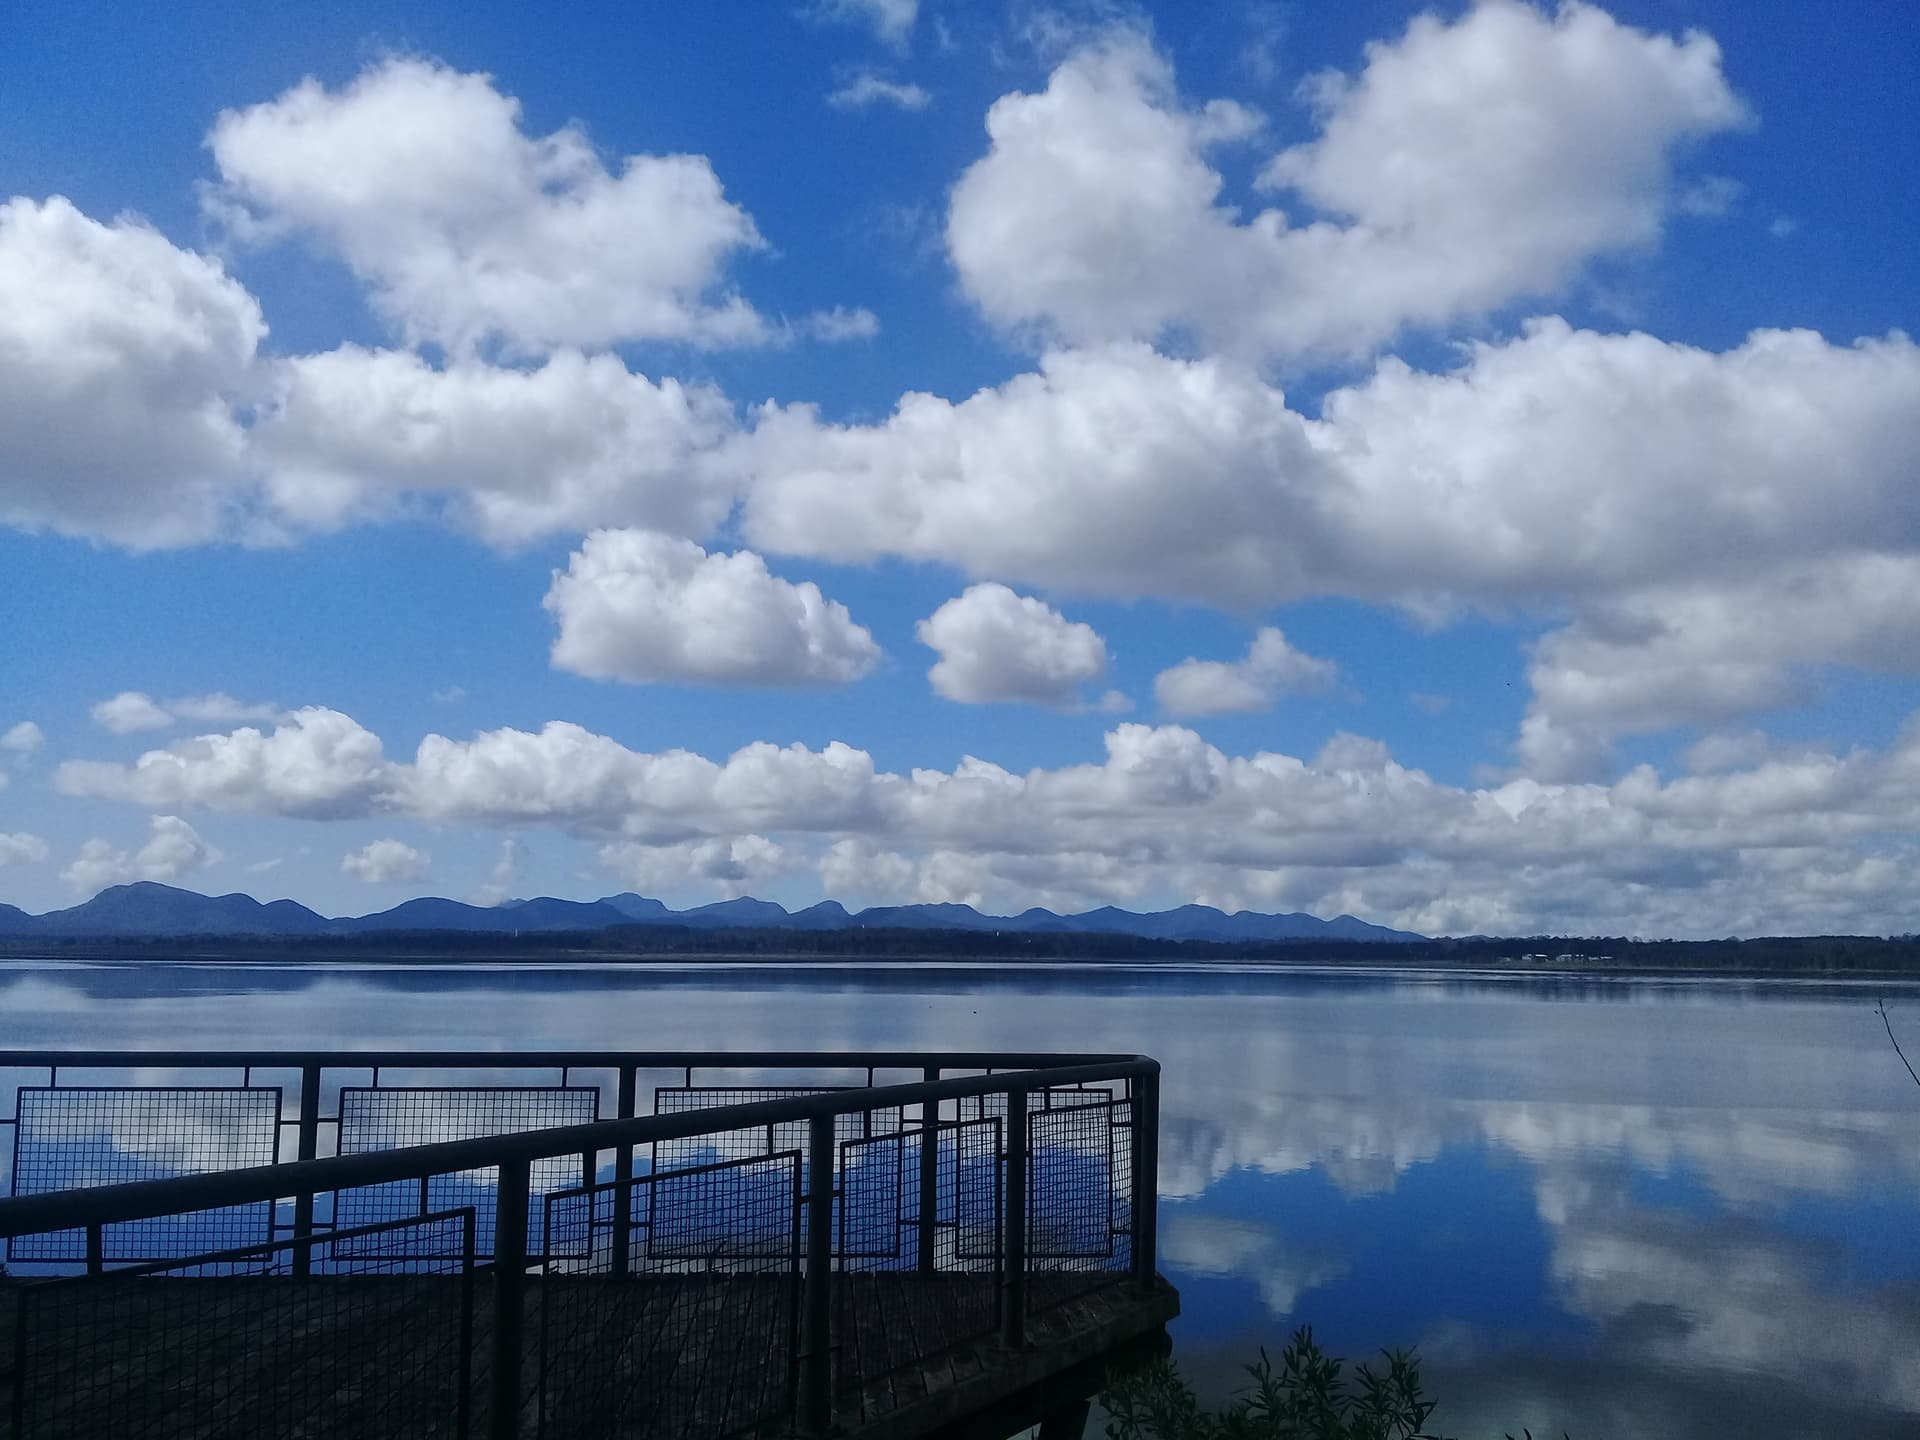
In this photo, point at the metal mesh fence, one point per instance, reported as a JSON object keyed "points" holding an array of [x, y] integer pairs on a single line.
{"points": [[918, 1226], [73, 1137], [691, 1328], [1079, 1201], [761, 1139], [230, 1344], [389, 1118]]}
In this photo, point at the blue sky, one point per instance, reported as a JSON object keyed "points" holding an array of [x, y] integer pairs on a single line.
{"points": [[1449, 464]]}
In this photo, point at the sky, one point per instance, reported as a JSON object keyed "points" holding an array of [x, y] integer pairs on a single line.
{"points": [[1454, 465]]}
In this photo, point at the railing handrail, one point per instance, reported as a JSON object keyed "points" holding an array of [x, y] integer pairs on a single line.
{"points": [[550, 1059], [149, 1199]]}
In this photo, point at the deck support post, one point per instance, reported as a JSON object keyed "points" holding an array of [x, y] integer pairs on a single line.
{"points": [[816, 1315], [1013, 1226], [1145, 1160], [929, 1173], [509, 1296], [309, 1141], [623, 1181]]}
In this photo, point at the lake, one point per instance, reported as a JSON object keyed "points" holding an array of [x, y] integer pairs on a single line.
{"points": [[1615, 1206]]}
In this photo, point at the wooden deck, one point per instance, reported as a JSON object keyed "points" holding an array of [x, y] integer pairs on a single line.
{"points": [[380, 1357]]}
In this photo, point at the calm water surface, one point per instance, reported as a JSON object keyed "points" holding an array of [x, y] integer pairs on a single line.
{"points": [[1618, 1207]]}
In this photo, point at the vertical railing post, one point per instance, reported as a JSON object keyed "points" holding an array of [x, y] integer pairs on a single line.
{"points": [[1013, 1223], [929, 1171], [96, 1250], [816, 1314], [623, 1179], [509, 1294], [309, 1142], [1145, 1161]]}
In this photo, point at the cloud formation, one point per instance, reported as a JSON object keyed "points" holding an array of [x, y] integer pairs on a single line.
{"points": [[1467, 165], [1800, 841], [642, 607], [866, 90], [1217, 687], [132, 711], [22, 738], [467, 230], [996, 646], [386, 862], [173, 851]]}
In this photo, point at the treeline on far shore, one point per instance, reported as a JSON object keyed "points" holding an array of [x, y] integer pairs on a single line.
{"points": [[1806, 954]]}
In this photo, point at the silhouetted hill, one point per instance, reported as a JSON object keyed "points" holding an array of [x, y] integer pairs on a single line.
{"points": [[147, 908], [160, 911]]}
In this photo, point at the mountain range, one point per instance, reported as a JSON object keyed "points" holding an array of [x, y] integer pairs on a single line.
{"points": [[146, 909]]}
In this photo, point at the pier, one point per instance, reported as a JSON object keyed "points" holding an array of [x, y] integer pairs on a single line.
{"points": [[572, 1244]]}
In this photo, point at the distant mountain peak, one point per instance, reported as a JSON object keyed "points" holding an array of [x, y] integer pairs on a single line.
{"points": [[147, 908]]}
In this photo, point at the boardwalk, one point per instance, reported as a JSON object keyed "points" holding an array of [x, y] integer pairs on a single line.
{"points": [[414, 1244], [400, 1356]]}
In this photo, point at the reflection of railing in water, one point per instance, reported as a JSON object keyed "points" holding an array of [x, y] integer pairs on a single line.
{"points": [[793, 1255]]}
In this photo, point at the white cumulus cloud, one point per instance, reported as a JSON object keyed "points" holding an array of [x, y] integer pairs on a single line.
{"points": [[315, 762], [20, 848], [1468, 164], [467, 229], [638, 606], [1808, 840], [1272, 666], [385, 862], [22, 738], [120, 361], [513, 454], [173, 851], [134, 710], [995, 645]]}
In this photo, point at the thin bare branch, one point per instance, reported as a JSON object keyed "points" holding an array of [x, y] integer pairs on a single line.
{"points": [[1896, 1040]]}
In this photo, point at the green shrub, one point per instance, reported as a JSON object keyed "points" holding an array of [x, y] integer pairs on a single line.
{"points": [[1309, 1395]]}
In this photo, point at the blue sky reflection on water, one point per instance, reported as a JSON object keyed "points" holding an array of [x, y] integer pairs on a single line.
{"points": [[1618, 1207]]}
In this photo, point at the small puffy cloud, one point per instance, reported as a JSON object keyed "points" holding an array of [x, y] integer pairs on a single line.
{"points": [[841, 325], [315, 762], [995, 645], [867, 89], [1215, 687], [132, 710], [23, 738], [173, 851], [385, 862], [890, 20], [121, 356], [20, 848], [637, 606], [468, 230], [1469, 163]]}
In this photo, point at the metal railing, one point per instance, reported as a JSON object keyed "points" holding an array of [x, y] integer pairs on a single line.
{"points": [[779, 1246]]}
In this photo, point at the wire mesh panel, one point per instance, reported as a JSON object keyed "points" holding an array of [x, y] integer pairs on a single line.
{"points": [[913, 1287], [1079, 1196], [694, 1332], [1052, 1097], [389, 1118], [761, 1139], [72, 1137], [229, 1344]]}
